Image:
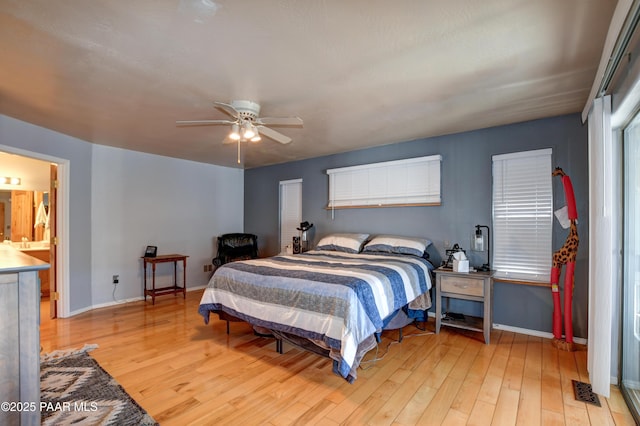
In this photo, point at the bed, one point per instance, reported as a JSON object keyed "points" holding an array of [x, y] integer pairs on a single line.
{"points": [[330, 300]]}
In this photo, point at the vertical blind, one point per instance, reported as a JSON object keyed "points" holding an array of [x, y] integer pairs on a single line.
{"points": [[523, 215], [414, 181], [290, 211]]}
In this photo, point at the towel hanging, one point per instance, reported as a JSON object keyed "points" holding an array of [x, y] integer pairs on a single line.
{"points": [[41, 216]]}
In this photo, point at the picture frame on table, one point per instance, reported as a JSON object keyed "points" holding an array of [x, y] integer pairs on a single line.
{"points": [[151, 251]]}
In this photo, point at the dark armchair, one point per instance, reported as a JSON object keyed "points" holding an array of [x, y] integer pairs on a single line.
{"points": [[236, 246]]}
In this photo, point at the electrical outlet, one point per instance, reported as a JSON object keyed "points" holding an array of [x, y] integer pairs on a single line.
{"points": [[210, 267], [205, 268], [116, 279]]}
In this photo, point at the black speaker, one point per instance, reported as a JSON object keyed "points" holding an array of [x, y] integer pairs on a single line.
{"points": [[296, 245]]}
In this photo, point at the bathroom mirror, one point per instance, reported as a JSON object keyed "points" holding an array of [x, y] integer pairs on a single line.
{"points": [[23, 214]]}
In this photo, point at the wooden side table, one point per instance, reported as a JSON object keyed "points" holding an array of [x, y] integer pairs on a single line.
{"points": [[476, 286], [174, 289]]}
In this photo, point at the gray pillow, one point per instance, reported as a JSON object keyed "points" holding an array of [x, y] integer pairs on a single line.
{"points": [[349, 243], [397, 245]]}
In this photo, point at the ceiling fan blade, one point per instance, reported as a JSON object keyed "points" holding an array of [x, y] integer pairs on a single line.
{"points": [[272, 134], [280, 121], [227, 108], [202, 122]]}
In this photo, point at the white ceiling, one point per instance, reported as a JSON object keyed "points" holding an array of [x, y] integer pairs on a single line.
{"points": [[360, 73]]}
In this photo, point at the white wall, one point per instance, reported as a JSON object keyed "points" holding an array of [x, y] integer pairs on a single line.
{"points": [[142, 199]]}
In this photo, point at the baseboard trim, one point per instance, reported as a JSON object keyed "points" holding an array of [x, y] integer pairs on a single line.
{"points": [[105, 305], [528, 332], [121, 302], [200, 287], [535, 333]]}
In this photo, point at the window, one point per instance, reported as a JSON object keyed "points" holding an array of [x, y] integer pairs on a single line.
{"points": [[290, 211], [523, 215], [410, 182]]}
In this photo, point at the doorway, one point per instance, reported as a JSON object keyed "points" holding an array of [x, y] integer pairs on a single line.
{"points": [[29, 219], [290, 211], [630, 354]]}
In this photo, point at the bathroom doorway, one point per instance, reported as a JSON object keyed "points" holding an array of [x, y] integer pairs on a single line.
{"points": [[29, 219]]}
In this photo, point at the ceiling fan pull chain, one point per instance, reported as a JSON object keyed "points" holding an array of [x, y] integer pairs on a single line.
{"points": [[238, 151]]}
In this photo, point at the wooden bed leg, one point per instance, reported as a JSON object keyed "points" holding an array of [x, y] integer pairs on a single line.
{"points": [[399, 335], [227, 326], [279, 346]]}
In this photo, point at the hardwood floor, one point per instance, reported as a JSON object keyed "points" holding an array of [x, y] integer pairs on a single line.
{"points": [[185, 372]]}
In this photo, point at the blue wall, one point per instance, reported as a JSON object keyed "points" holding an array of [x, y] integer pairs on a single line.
{"points": [[466, 201], [25, 136]]}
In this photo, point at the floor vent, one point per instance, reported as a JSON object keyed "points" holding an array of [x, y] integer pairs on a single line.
{"points": [[583, 392]]}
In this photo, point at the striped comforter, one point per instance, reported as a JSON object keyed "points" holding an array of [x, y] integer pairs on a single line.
{"points": [[339, 300]]}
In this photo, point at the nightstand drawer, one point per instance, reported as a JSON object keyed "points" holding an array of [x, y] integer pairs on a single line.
{"points": [[462, 285]]}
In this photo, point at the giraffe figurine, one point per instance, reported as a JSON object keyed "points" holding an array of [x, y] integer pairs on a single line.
{"points": [[566, 255]]}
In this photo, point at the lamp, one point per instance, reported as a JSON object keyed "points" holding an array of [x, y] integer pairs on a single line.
{"points": [[482, 242], [304, 227], [11, 180]]}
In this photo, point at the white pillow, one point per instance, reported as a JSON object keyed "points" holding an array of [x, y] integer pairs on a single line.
{"points": [[349, 243], [397, 245]]}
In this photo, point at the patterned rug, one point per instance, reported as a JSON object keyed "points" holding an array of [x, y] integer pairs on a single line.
{"points": [[74, 390]]}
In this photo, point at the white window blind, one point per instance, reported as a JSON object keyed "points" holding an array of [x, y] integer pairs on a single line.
{"points": [[414, 181], [522, 215], [290, 211]]}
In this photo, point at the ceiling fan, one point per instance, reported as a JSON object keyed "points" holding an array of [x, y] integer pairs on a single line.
{"points": [[247, 125]]}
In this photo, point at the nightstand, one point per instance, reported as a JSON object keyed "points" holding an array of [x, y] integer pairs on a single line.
{"points": [[476, 286]]}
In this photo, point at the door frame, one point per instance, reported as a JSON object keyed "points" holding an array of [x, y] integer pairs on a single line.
{"points": [[281, 187], [62, 222], [629, 393]]}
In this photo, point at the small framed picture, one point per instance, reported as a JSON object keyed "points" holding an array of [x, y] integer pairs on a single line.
{"points": [[151, 251]]}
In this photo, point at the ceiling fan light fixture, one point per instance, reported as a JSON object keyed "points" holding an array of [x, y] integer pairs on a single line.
{"points": [[256, 137], [235, 132], [247, 125], [247, 130]]}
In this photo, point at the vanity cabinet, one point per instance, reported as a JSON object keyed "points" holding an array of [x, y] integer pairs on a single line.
{"points": [[44, 255], [19, 334]]}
